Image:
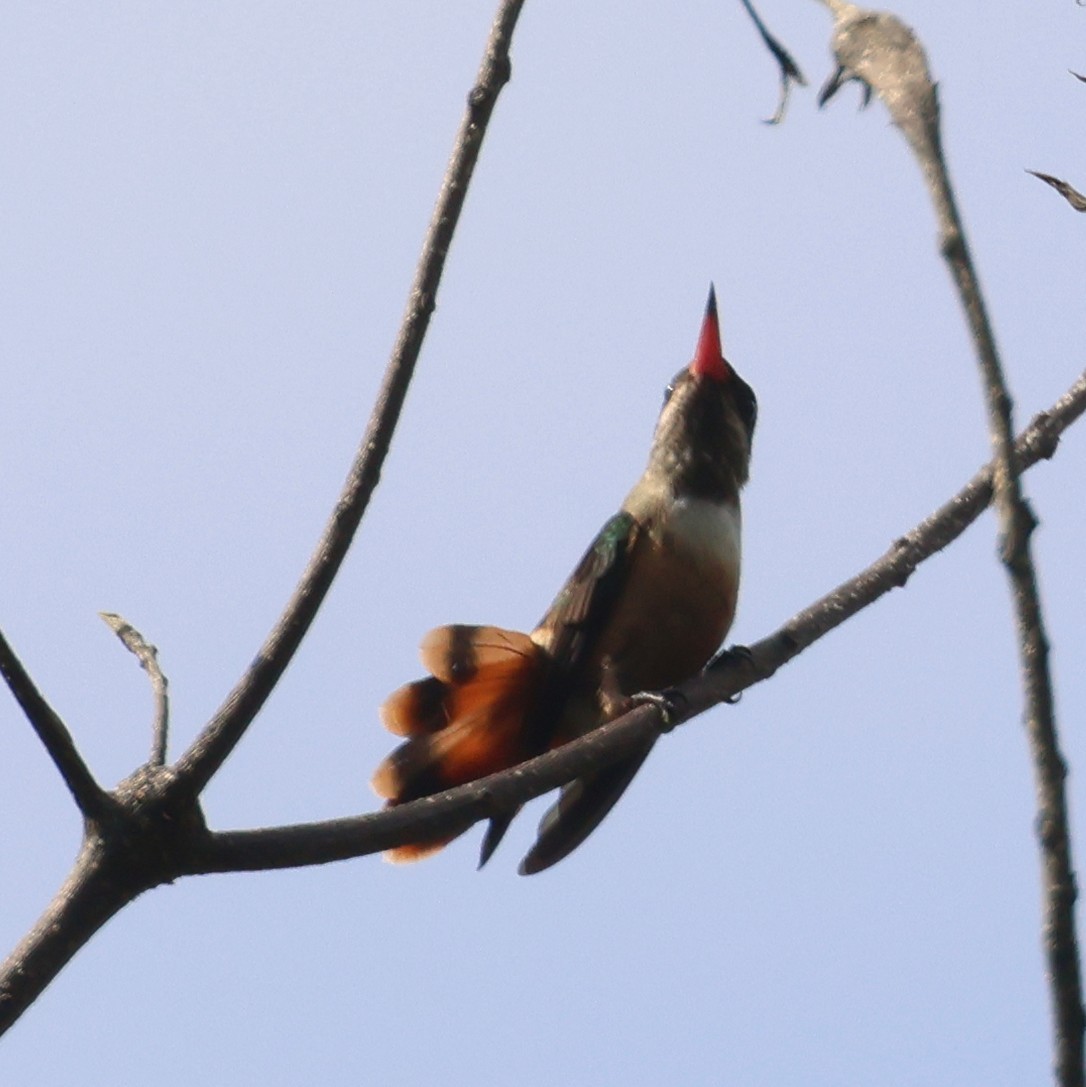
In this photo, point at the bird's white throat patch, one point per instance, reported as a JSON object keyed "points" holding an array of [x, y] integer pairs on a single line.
{"points": [[707, 529]]}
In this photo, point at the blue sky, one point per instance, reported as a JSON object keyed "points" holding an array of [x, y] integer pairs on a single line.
{"points": [[210, 217]]}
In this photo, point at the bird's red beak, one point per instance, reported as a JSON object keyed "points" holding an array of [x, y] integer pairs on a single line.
{"points": [[709, 358]]}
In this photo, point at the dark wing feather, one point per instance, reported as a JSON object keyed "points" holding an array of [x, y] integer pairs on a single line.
{"points": [[584, 605], [580, 808], [575, 619], [578, 613]]}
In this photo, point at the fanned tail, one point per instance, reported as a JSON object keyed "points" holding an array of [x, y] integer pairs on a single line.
{"points": [[467, 719]]}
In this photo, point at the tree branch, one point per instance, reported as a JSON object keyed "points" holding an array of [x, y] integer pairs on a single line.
{"points": [[152, 834], [139, 841], [210, 749], [147, 655], [150, 830], [885, 55], [86, 901], [89, 796], [456, 809]]}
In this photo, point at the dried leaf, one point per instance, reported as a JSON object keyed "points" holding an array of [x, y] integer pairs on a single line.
{"points": [[1072, 196]]}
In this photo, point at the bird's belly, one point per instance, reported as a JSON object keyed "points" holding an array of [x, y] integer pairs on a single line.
{"points": [[678, 607]]}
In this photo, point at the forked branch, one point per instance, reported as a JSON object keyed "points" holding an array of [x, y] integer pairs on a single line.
{"points": [[879, 51]]}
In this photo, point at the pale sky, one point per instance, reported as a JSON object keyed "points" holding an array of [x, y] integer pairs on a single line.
{"points": [[210, 215]]}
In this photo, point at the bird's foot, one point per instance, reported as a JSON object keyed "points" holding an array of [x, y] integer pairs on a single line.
{"points": [[668, 702], [738, 653]]}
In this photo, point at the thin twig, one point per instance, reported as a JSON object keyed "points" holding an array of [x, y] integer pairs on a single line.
{"points": [[200, 762], [789, 70], [91, 799], [147, 655], [456, 809], [884, 54]]}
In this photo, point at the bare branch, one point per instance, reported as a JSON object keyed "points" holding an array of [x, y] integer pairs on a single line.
{"points": [[138, 843], [147, 655], [208, 752], [53, 733], [884, 54], [85, 902], [151, 830], [153, 834], [456, 809], [880, 52]]}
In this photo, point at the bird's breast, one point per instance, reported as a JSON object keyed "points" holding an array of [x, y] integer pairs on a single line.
{"points": [[679, 600]]}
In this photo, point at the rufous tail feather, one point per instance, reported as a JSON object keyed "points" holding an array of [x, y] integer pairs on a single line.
{"points": [[466, 720]]}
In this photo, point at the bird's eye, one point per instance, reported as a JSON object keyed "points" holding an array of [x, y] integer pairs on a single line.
{"points": [[673, 384], [747, 404]]}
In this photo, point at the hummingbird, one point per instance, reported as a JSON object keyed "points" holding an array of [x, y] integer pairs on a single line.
{"points": [[646, 608]]}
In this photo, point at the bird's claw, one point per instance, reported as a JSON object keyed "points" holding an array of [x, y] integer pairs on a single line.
{"points": [[733, 652], [667, 702], [725, 656]]}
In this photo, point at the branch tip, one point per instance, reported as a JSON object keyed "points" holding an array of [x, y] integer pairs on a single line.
{"points": [[147, 655]]}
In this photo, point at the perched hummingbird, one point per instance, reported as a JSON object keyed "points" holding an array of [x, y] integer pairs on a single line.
{"points": [[646, 608]]}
